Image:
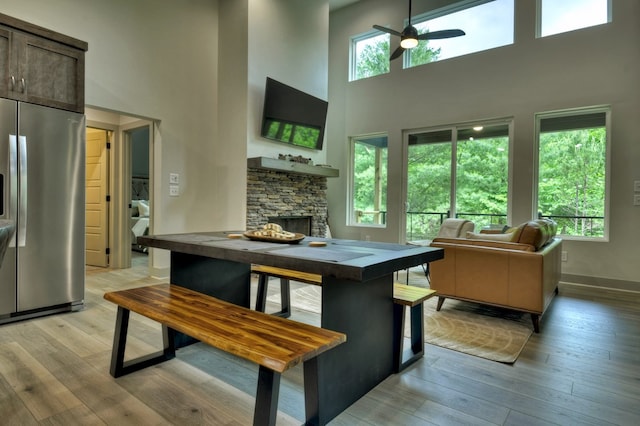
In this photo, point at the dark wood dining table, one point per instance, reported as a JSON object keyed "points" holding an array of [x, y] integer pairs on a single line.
{"points": [[357, 295]]}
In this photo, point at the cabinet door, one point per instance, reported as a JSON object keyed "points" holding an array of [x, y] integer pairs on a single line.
{"points": [[50, 73], [5, 56]]}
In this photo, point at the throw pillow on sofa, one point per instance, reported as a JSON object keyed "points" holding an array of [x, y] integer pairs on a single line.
{"points": [[506, 237]]}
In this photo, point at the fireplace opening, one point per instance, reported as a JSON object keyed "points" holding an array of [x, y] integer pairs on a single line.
{"points": [[298, 224]]}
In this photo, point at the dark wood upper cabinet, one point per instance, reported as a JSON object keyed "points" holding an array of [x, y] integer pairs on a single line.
{"points": [[41, 66]]}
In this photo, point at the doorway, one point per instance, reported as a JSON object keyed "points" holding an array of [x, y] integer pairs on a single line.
{"points": [[138, 141], [126, 136]]}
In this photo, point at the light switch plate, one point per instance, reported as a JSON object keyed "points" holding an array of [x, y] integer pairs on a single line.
{"points": [[174, 178], [174, 190], [636, 185], [636, 200]]}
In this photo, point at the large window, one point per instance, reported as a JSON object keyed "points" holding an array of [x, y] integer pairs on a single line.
{"points": [[572, 171], [458, 172], [369, 55], [555, 17], [369, 180], [487, 24]]}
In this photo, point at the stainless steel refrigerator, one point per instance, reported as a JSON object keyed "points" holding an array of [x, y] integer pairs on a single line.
{"points": [[42, 189]]}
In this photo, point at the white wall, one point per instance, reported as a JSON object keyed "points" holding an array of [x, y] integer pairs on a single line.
{"points": [[283, 39], [594, 66], [198, 68], [288, 41], [158, 59]]}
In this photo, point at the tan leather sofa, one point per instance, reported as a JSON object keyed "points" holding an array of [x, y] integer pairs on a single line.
{"points": [[518, 269]]}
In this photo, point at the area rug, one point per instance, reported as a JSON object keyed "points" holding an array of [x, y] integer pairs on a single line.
{"points": [[491, 333]]}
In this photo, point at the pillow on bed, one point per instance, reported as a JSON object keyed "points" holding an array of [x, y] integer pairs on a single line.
{"points": [[143, 208]]}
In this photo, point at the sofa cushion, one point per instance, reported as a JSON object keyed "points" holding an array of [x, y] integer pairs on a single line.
{"points": [[454, 228], [537, 232]]}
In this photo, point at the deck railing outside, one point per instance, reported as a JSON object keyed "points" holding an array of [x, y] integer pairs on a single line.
{"points": [[425, 225]]}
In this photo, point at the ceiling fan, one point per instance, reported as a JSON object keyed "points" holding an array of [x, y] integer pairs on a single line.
{"points": [[409, 37]]}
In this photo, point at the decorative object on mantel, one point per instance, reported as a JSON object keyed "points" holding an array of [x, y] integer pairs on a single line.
{"points": [[296, 159]]}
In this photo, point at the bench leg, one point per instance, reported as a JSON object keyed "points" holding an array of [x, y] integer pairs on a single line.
{"points": [[285, 296], [118, 366], [311, 392], [402, 360], [266, 409], [261, 297]]}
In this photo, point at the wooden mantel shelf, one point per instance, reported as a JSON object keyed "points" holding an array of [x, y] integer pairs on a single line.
{"points": [[291, 167]]}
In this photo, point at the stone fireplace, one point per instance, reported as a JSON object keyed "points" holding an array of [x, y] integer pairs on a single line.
{"points": [[292, 195]]}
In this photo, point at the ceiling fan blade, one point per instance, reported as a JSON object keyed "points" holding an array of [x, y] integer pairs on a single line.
{"points": [[397, 53], [387, 30], [441, 34]]}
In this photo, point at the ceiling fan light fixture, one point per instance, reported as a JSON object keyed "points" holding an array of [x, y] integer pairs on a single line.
{"points": [[409, 42], [409, 37]]}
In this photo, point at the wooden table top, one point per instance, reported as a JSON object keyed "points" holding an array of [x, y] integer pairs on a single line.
{"points": [[342, 259]]}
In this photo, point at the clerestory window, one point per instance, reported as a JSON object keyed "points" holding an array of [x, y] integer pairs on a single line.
{"points": [[369, 55], [555, 17], [487, 24]]}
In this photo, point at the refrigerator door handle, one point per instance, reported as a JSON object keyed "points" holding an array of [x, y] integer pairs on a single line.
{"points": [[13, 181], [22, 206]]}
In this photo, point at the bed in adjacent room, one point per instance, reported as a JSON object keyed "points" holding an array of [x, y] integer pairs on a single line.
{"points": [[139, 221]]}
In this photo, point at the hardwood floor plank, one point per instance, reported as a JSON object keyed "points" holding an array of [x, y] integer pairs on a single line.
{"points": [[80, 415], [79, 342], [592, 407], [12, 409], [617, 400], [372, 412], [517, 418], [445, 415], [41, 393], [537, 401]]}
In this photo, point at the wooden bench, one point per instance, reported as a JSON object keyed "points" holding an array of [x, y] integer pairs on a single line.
{"points": [[412, 298], [275, 344], [264, 272], [403, 296]]}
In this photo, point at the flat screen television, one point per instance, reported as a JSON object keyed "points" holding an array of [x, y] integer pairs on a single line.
{"points": [[293, 116]]}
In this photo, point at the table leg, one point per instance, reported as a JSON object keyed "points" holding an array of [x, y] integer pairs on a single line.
{"points": [[364, 311], [223, 279]]}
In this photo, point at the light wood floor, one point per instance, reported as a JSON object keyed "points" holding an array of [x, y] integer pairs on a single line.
{"points": [[583, 368]]}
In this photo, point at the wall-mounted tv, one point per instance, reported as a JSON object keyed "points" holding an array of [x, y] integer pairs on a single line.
{"points": [[292, 116]]}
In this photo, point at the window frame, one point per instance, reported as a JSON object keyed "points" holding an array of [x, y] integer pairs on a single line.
{"points": [[455, 130], [449, 10], [353, 60], [351, 218], [539, 21], [606, 109]]}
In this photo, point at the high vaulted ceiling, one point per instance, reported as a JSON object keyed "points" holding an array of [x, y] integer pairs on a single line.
{"points": [[337, 4]]}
